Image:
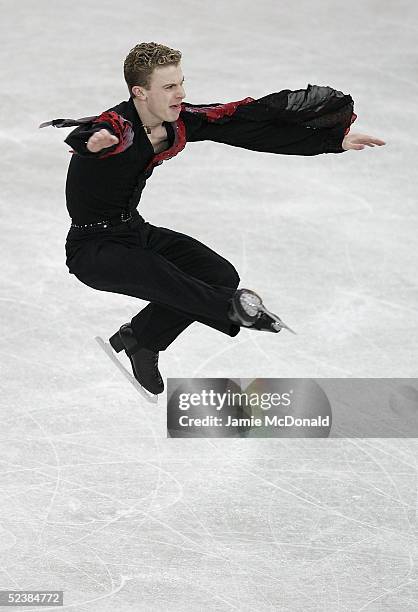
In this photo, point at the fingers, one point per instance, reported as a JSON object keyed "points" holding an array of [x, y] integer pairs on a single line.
{"points": [[100, 140], [363, 141], [105, 136], [371, 141], [374, 142]]}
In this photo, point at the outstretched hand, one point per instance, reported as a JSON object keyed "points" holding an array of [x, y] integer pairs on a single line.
{"points": [[359, 141]]}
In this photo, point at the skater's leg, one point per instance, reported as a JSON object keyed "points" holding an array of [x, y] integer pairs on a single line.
{"points": [[132, 262], [135, 267], [157, 326]]}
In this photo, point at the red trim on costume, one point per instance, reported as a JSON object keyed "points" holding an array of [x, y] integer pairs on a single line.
{"points": [[217, 111], [353, 118], [178, 145], [123, 130]]}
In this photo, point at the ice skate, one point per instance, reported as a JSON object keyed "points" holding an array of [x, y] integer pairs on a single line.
{"points": [[248, 310], [105, 346], [144, 362]]}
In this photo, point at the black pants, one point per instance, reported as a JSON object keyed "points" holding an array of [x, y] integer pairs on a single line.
{"points": [[183, 279]]}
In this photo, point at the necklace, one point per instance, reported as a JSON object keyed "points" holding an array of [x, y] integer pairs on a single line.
{"points": [[149, 127]]}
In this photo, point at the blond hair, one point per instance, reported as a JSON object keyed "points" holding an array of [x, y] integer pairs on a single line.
{"points": [[141, 61]]}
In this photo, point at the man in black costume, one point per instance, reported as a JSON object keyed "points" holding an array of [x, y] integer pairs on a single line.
{"points": [[111, 247]]}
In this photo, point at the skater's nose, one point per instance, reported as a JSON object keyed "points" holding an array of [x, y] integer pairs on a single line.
{"points": [[182, 93]]}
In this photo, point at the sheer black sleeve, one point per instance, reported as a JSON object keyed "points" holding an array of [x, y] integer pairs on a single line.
{"points": [[266, 137], [303, 122], [110, 120], [87, 126]]}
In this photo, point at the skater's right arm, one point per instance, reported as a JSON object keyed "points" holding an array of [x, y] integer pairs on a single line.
{"points": [[101, 140], [106, 135], [88, 140]]}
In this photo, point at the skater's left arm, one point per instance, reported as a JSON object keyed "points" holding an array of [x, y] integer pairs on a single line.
{"points": [[268, 138], [288, 140], [301, 122]]}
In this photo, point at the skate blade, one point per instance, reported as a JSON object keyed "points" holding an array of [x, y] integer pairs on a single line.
{"points": [[278, 323], [45, 124], [282, 325], [152, 399]]}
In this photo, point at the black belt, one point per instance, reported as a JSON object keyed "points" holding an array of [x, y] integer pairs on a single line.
{"points": [[113, 221]]}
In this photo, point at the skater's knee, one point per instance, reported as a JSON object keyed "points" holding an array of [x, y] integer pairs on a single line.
{"points": [[230, 277], [235, 278]]}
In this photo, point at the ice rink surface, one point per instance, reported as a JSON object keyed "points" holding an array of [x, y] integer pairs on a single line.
{"points": [[95, 500]]}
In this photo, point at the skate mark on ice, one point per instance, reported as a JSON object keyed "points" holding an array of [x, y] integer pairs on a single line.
{"points": [[109, 352]]}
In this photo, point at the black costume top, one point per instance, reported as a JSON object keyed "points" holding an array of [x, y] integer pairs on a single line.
{"points": [[103, 185]]}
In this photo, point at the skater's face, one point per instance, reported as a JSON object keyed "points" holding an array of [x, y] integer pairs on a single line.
{"points": [[165, 94]]}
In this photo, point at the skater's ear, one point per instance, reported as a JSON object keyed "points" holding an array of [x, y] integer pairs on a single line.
{"points": [[139, 92]]}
